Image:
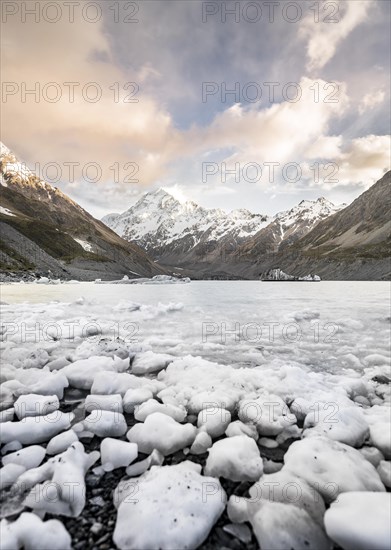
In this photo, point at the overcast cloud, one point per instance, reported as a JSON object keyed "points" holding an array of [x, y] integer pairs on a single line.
{"points": [[325, 134]]}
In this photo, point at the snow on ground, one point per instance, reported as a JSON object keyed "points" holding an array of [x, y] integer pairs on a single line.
{"points": [[85, 245], [135, 393], [6, 211]]}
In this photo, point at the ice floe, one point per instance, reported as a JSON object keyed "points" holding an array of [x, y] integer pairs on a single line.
{"points": [[143, 410], [35, 405], [147, 362], [347, 425], [163, 433], [104, 423], [360, 521], [279, 525], [384, 471], [30, 532], [29, 457], [112, 402], [117, 454], [236, 458], [81, 373], [214, 420], [134, 397], [9, 474], [240, 428], [36, 429], [331, 467], [201, 443], [269, 413], [58, 486], [180, 504]]}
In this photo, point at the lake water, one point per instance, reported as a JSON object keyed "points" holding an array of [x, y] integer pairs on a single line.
{"points": [[329, 326]]}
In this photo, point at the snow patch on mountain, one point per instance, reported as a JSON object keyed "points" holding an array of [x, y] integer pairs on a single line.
{"points": [[84, 244], [158, 215], [6, 211], [165, 226]]}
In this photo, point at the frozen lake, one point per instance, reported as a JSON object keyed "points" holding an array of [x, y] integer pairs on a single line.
{"points": [[283, 383], [321, 326]]}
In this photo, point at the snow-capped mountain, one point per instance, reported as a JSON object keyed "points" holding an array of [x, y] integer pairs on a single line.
{"points": [[43, 229], [168, 228], [290, 225], [185, 233]]}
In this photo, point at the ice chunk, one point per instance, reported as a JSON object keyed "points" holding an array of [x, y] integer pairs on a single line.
{"points": [[278, 525], [268, 412], [148, 362], [35, 405], [36, 429], [201, 444], [13, 446], [214, 420], [360, 520], [241, 532], [271, 467], [236, 458], [180, 504], [154, 459], [134, 397], [381, 437], [240, 428], [61, 442], [116, 453], [163, 433], [372, 454], [63, 491], [106, 424], [268, 443], [46, 382], [148, 407], [331, 467], [81, 373], [9, 474], [111, 402], [347, 425], [30, 532], [109, 383], [7, 415], [384, 471], [29, 457], [58, 363], [286, 487], [217, 398]]}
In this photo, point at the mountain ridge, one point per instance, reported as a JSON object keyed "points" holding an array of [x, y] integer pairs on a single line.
{"points": [[179, 233], [64, 238]]}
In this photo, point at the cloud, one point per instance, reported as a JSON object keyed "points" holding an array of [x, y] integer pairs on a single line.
{"points": [[285, 132], [323, 37], [170, 132], [109, 132], [370, 100], [364, 160]]}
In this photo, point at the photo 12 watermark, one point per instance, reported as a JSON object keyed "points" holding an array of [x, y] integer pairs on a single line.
{"points": [[262, 11], [31, 11]]}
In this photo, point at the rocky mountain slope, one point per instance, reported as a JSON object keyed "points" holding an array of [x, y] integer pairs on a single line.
{"points": [[177, 233], [208, 241], [353, 243], [42, 229], [335, 242]]}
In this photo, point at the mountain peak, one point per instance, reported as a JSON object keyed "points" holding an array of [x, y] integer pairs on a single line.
{"points": [[160, 192]]}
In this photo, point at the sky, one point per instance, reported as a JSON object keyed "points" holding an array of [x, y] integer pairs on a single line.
{"points": [[231, 104]]}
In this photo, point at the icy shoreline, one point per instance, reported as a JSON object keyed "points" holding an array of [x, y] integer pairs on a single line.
{"points": [[125, 425]]}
